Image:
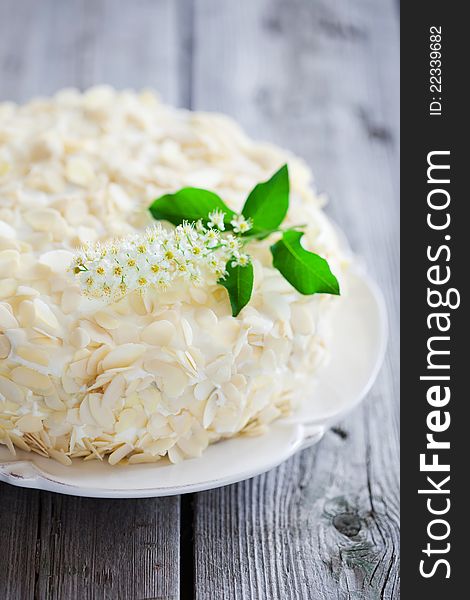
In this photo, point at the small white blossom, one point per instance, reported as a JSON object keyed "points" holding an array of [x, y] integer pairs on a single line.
{"points": [[232, 243], [212, 238], [240, 224], [242, 260], [216, 220]]}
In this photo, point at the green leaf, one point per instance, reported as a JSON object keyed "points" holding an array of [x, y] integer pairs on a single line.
{"points": [[268, 202], [189, 204], [239, 284], [306, 271]]}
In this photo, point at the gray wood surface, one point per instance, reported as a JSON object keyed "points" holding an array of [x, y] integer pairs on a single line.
{"points": [[317, 76]]}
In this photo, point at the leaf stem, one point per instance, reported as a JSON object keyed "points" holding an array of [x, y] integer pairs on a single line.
{"points": [[259, 235]]}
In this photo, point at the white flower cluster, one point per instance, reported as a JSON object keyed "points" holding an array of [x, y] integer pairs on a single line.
{"points": [[159, 257]]}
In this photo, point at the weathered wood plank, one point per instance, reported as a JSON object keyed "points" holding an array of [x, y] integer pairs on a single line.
{"points": [[19, 517], [94, 549], [52, 44], [88, 548], [322, 79]]}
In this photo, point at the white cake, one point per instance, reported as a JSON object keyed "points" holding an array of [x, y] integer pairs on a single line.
{"points": [[157, 373]]}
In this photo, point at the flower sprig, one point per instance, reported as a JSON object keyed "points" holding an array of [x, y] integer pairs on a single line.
{"points": [[157, 258]]}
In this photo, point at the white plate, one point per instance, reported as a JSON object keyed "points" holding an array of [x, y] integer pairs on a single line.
{"points": [[357, 350]]}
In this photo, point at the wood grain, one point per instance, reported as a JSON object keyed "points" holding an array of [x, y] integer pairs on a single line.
{"points": [[95, 549], [322, 79], [53, 44], [19, 519]]}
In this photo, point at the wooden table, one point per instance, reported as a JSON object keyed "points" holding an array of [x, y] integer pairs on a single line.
{"points": [[319, 77]]}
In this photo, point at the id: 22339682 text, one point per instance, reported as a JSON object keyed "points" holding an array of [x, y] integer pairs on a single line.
{"points": [[435, 70]]}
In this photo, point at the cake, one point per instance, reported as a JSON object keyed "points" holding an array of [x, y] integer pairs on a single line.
{"points": [[159, 372]]}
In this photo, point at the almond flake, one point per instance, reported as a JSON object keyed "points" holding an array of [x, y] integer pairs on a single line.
{"points": [[106, 320], [33, 355], [11, 391], [9, 262], [5, 346], [32, 379], [123, 356], [8, 288], [159, 333], [119, 454], [29, 424], [7, 320]]}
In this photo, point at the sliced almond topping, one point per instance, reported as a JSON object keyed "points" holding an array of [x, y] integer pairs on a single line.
{"points": [[33, 355], [102, 414], [19, 442], [44, 315], [206, 318], [70, 299], [11, 391], [114, 391], [54, 402], [79, 369], [171, 378], [44, 219], [97, 356], [8, 288], [9, 262], [7, 231], [79, 338], [187, 332], [96, 333], [60, 456], [159, 446], [5, 346], [159, 333], [150, 398], [29, 424], [137, 459], [203, 389], [27, 313], [75, 212], [137, 302], [210, 410], [123, 356], [119, 454], [7, 320], [131, 418], [57, 260], [32, 379], [69, 384], [79, 171], [106, 320], [198, 295], [5, 439], [26, 290]]}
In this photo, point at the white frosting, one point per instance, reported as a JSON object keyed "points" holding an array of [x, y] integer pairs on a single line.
{"points": [[153, 374]]}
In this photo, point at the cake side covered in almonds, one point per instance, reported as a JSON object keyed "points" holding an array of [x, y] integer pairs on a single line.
{"points": [[159, 371]]}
